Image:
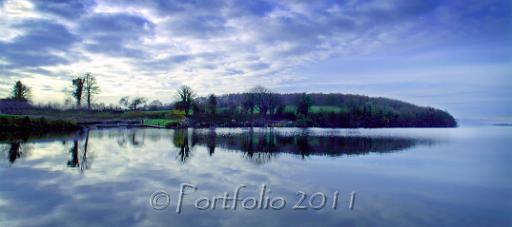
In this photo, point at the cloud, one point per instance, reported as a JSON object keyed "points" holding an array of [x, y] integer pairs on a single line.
{"points": [[38, 45], [112, 33], [71, 9], [214, 45], [392, 11], [258, 8], [201, 27]]}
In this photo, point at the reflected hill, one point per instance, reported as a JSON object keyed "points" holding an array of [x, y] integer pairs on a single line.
{"points": [[270, 143], [257, 146]]}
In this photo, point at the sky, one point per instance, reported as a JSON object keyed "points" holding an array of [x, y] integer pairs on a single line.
{"points": [[452, 55]]}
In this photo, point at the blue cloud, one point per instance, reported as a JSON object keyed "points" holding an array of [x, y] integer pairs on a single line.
{"points": [[261, 40], [70, 9], [198, 27], [109, 33], [401, 9], [35, 47], [116, 24], [255, 8], [165, 63]]}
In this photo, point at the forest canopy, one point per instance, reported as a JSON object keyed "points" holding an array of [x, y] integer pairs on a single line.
{"points": [[333, 110]]}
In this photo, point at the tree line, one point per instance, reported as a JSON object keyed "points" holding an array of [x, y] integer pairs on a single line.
{"points": [[261, 106]]}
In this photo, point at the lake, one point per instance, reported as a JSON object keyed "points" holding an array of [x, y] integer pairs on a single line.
{"points": [[309, 177]]}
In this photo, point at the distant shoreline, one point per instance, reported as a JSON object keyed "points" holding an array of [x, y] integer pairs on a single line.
{"points": [[503, 124], [254, 109]]}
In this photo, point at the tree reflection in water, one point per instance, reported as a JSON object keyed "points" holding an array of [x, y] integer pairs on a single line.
{"points": [[257, 146], [14, 151], [211, 142], [133, 137], [262, 146], [76, 160], [181, 141]]}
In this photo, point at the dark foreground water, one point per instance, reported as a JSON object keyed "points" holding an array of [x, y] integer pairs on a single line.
{"points": [[401, 177]]}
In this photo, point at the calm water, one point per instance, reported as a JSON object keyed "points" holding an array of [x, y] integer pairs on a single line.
{"points": [[402, 177]]}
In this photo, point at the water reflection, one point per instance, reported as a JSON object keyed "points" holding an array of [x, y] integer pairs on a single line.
{"points": [[305, 145], [261, 147], [14, 152], [79, 154], [256, 146], [124, 137], [402, 176], [181, 141], [74, 162]]}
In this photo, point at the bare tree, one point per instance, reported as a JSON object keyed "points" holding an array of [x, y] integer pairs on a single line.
{"points": [[274, 103], [137, 101], [125, 101], [155, 105], [262, 99], [90, 87], [249, 102], [186, 99], [21, 92], [68, 103]]}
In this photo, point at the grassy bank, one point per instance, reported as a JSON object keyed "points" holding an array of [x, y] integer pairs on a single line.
{"points": [[16, 123], [167, 123], [49, 120], [84, 116]]}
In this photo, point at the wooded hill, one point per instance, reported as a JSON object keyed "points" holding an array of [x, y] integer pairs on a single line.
{"points": [[331, 110]]}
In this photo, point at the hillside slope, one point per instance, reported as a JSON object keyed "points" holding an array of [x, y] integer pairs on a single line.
{"points": [[351, 111]]}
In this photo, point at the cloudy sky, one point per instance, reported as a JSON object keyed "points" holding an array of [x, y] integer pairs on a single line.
{"points": [[454, 55]]}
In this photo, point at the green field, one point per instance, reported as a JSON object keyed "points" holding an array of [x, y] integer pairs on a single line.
{"points": [[327, 109], [161, 122], [6, 116], [317, 109], [293, 109], [85, 116]]}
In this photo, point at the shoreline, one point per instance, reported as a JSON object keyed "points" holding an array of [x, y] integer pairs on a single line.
{"points": [[41, 124], [35, 135]]}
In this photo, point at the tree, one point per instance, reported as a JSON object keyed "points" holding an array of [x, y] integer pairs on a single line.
{"points": [[249, 103], [137, 101], [274, 103], [78, 89], [212, 104], [90, 87], [186, 99], [198, 108], [125, 101], [305, 102], [21, 92], [262, 99], [68, 103], [155, 105]]}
